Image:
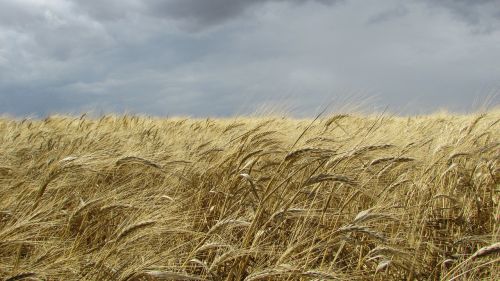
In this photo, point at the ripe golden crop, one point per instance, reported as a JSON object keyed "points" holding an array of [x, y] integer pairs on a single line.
{"points": [[345, 197]]}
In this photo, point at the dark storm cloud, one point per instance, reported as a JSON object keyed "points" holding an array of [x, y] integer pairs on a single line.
{"points": [[142, 56], [200, 14], [481, 15]]}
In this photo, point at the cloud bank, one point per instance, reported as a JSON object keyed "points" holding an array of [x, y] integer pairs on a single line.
{"points": [[226, 57]]}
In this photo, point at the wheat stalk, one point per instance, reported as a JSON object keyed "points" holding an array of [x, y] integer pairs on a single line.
{"points": [[486, 251], [134, 228]]}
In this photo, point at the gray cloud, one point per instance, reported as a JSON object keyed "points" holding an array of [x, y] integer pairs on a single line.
{"points": [[109, 10], [13, 13], [138, 56], [393, 13], [200, 14], [480, 15]]}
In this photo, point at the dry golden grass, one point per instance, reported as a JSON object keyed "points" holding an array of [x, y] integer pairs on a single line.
{"points": [[342, 197]]}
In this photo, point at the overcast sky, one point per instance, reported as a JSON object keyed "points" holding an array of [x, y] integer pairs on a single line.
{"points": [[227, 57]]}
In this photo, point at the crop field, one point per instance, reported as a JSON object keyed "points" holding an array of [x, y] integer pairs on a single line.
{"points": [[339, 197]]}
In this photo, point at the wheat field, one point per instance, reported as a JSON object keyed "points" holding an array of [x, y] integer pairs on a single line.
{"points": [[340, 197]]}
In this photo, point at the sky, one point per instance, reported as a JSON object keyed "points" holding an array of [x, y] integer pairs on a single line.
{"points": [[222, 58]]}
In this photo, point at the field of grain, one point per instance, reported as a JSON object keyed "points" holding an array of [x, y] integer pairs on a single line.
{"points": [[341, 197]]}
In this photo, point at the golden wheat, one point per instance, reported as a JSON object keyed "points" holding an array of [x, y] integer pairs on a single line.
{"points": [[341, 197]]}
